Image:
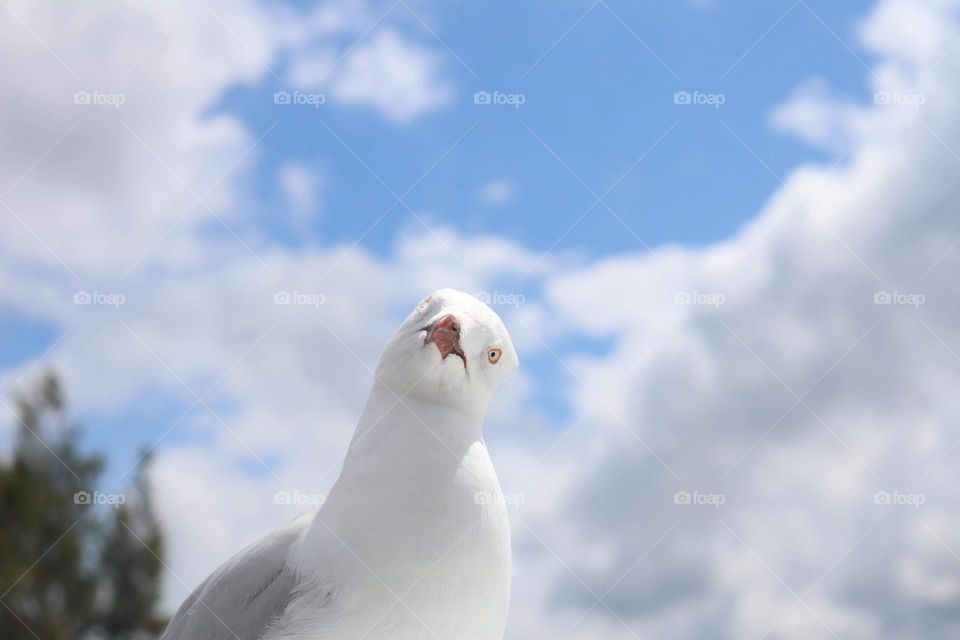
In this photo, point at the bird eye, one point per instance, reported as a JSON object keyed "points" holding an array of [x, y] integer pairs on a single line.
{"points": [[493, 355]]}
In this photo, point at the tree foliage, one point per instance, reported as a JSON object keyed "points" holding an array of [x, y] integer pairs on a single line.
{"points": [[72, 567]]}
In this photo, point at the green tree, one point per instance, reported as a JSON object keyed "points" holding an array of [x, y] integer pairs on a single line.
{"points": [[71, 569], [132, 566]]}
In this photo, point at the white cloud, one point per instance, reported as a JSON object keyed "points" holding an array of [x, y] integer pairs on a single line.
{"points": [[818, 119], [697, 397], [88, 128], [301, 188], [498, 193], [387, 72], [910, 33], [313, 66], [296, 28]]}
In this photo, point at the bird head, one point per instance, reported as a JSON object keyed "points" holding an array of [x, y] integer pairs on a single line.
{"points": [[452, 350]]}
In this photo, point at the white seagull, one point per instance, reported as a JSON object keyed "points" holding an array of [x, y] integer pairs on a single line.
{"points": [[413, 541]]}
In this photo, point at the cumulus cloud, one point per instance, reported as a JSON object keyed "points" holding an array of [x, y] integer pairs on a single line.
{"points": [[818, 119], [115, 128], [770, 440], [387, 72]]}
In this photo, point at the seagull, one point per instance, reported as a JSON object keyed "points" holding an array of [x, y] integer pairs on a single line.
{"points": [[413, 540]]}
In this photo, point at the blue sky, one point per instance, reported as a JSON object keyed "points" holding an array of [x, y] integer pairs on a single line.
{"points": [[599, 99]]}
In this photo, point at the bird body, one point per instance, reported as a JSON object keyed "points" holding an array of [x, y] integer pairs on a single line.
{"points": [[413, 541]]}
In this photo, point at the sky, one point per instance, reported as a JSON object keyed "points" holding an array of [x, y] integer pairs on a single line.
{"points": [[722, 235]]}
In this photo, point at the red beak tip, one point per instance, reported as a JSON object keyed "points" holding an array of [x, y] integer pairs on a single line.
{"points": [[445, 333]]}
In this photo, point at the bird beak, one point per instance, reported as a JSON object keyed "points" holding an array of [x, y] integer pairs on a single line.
{"points": [[445, 333]]}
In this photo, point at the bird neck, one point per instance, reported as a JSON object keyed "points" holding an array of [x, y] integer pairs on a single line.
{"points": [[402, 446], [389, 419], [413, 466]]}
